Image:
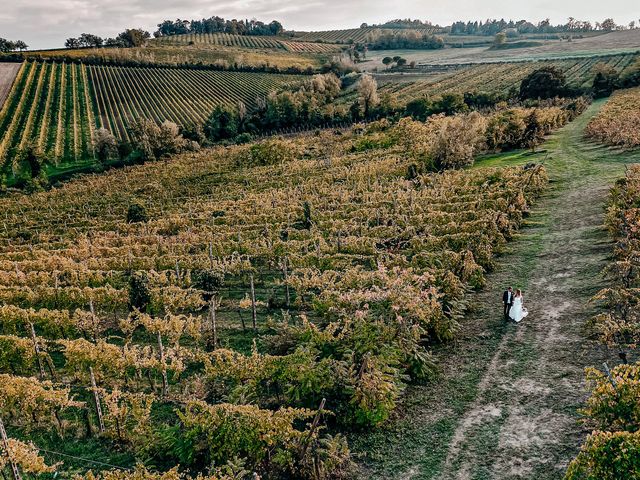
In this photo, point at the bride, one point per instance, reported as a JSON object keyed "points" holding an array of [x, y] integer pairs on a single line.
{"points": [[518, 312]]}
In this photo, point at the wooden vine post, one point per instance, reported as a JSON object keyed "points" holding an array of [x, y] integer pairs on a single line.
{"points": [[212, 317], [253, 303], [165, 382], [314, 426], [5, 443], [285, 274], [96, 398], [36, 347], [94, 319]]}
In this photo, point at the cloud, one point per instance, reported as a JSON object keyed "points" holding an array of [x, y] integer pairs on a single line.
{"points": [[46, 23]]}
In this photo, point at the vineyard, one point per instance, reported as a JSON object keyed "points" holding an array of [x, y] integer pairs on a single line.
{"points": [[49, 105], [285, 294], [495, 77], [247, 41], [181, 95], [611, 411], [358, 35], [618, 124], [58, 106]]}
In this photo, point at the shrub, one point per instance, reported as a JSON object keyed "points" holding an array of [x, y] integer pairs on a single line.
{"points": [[152, 141], [457, 141], [104, 145], [607, 456], [139, 292], [136, 213], [546, 82], [268, 152]]}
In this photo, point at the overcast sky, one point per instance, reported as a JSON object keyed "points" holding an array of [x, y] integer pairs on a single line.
{"points": [[46, 23]]}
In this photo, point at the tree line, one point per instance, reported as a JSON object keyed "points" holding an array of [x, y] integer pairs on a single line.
{"points": [[7, 46], [492, 26], [131, 37], [217, 24]]}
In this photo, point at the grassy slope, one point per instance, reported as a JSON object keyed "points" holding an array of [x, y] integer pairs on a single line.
{"points": [[505, 405]]}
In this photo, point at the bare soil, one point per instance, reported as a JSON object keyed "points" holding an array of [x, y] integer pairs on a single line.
{"points": [[8, 72]]}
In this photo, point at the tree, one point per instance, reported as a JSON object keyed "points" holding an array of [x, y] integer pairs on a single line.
{"points": [[387, 61], [72, 42], [546, 82], [401, 62], [139, 291], [608, 25], [133, 37], [533, 131], [136, 213], [500, 39], [90, 40], [104, 145], [222, 124], [605, 80], [31, 160], [153, 141], [20, 45], [367, 94]]}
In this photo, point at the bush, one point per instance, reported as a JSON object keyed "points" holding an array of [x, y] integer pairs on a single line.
{"points": [[268, 152], [458, 140], [139, 292], [152, 141], [136, 213], [105, 146], [546, 82], [222, 124], [607, 456], [208, 281]]}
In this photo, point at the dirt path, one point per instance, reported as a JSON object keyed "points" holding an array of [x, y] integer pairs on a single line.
{"points": [[507, 409], [8, 72]]}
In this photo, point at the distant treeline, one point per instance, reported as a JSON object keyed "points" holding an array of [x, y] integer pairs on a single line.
{"points": [[409, 39], [218, 25], [493, 27]]}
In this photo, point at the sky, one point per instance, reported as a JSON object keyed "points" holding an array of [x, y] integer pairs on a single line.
{"points": [[47, 23]]}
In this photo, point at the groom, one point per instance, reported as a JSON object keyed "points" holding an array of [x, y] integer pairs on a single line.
{"points": [[507, 301]]}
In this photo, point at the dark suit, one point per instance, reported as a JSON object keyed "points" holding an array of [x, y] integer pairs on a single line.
{"points": [[507, 302]]}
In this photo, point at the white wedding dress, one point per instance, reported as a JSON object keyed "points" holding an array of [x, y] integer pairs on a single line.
{"points": [[517, 312]]}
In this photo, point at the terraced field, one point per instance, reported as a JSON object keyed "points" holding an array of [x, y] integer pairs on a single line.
{"points": [[49, 104], [247, 41], [224, 39], [180, 95], [59, 105], [614, 43], [492, 77], [353, 34]]}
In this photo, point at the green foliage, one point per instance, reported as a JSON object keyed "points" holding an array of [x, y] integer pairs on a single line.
{"points": [[607, 456], [222, 124], [153, 142], [208, 281], [105, 146], [545, 82], [614, 408], [30, 161], [136, 213], [604, 83], [273, 151], [139, 292], [268, 440]]}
